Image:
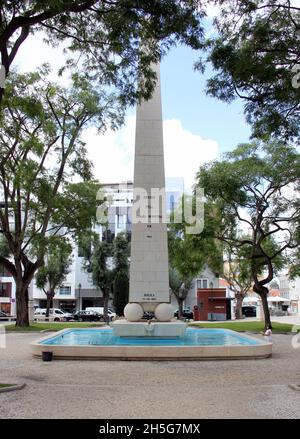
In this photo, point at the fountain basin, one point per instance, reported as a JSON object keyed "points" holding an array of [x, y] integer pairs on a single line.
{"points": [[197, 344]]}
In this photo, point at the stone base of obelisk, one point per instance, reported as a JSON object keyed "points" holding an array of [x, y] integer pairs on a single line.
{"points": [[124, 328]]}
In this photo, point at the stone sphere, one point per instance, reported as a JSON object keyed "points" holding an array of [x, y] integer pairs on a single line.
{"points": [[133, 312], [164, 312]]}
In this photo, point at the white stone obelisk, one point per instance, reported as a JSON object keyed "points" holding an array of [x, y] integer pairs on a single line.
{"points": [[149, 267]]}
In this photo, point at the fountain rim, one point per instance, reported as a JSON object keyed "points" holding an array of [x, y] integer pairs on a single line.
{"points": [[154, 353]]}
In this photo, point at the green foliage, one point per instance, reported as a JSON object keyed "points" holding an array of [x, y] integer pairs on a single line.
{"points": [[121, 253], [190, 253], [105, 35], [255, 188], [179, 284], [256, 327], [237, 267], [239, 264], [254, 54], [4, 249], [120, 292], [108, 264], [57, 261], [102, 269], [41, 152], [56, 326]]}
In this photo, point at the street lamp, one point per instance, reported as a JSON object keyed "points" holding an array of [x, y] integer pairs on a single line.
{"points": [[79, 290]]}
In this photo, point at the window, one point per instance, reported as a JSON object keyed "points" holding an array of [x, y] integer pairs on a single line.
{"points": [[202, 283], [5, 290], [120, 221], [65, 290], [172, 203]]}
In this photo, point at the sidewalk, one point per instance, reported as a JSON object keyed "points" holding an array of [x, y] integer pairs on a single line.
{"points": [[292, 320]]}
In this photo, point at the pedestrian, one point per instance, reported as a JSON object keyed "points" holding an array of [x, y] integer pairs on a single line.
{"points": [[268, 334]]}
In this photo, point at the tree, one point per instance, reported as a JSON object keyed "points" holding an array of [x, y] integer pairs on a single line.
{"points": [[237, 267], [121, 278], [237, 272], [103, 34], [108, 265], [180, 286], [189, 253], [57, 262], [102, 272], [40, 131], [254, 185], [256, 57]]}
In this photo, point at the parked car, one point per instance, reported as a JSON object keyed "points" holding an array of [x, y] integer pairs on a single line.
{"points": [[249, 311], [100, 310], [87, 316], [40, 312], [186, 313], [55, 315]]}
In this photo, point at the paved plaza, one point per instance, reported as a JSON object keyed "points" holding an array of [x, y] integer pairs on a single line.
{"points": [[132, 389]]}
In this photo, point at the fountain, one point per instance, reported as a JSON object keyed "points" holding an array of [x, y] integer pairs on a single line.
{"points": [[164, 338]]}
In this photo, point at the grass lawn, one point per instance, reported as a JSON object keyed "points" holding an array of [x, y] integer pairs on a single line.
{"points": [[57, 326], [278, 328]]}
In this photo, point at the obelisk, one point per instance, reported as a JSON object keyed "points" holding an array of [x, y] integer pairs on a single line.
{"points": [[149, 267]]}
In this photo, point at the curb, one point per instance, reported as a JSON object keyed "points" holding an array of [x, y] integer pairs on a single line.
{"points": [[12, 388]]}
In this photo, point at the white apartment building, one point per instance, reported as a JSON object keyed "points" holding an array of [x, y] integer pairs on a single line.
{"points": [[7, 292], [290, 289]]}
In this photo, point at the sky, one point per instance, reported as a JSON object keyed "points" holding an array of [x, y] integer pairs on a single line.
{"points": [[197, 128]]}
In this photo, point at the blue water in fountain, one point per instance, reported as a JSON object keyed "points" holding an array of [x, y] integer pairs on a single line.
{"points": [[193, 337]]}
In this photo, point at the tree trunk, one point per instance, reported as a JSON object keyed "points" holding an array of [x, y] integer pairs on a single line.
{"points": [[22, 307], [263, 293], [50, 295], [105, 307], [180, 307], [238, 307]]}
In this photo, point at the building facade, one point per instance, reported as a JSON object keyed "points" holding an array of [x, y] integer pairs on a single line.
{"points": [[7, 292], [290, 289], [205, 279]]}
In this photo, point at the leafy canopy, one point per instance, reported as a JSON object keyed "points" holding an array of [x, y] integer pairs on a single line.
{"points": [[102, 37], [45, 185], [254, 53], [57, 262], [256, 188]]}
